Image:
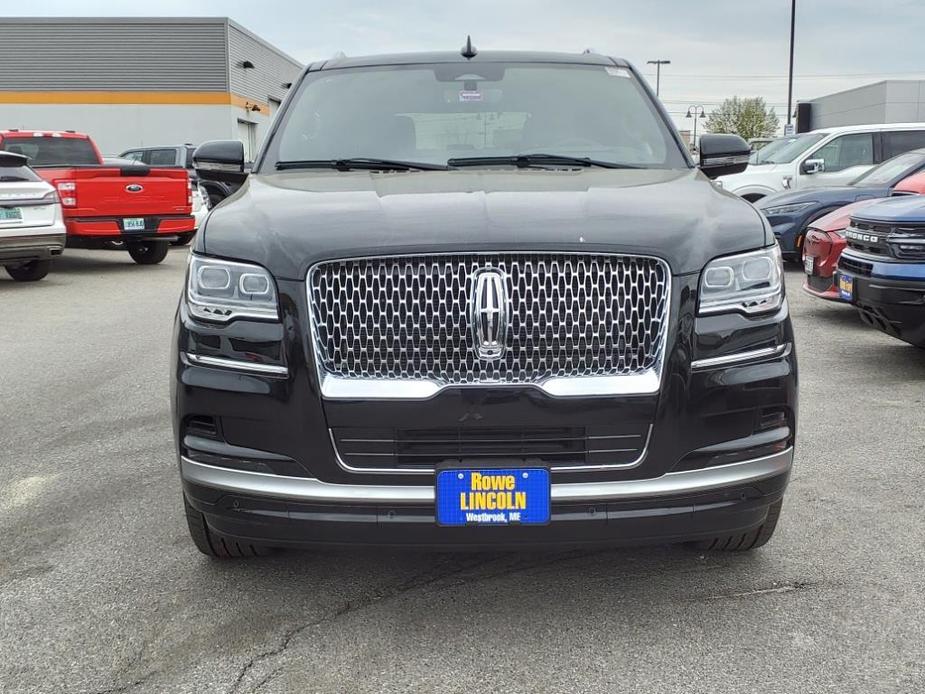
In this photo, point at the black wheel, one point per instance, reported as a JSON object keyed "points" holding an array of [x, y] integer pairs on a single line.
{"points": [[183, 239], [744, 542], [213, 545], [29, 272], [148, 252]]}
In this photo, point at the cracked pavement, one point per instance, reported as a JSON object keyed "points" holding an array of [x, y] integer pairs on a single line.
{"points": [[102, 591]]}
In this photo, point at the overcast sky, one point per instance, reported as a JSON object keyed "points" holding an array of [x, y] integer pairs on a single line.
{"points": [[718, 48]]}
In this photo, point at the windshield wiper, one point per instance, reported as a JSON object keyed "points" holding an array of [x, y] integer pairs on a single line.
{"points": [[522, 161], [359, 163]]}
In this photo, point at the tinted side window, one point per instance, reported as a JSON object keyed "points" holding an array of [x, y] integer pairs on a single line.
{"points": [[902, 141], [132, 155], [161, 157], [856, 149]]}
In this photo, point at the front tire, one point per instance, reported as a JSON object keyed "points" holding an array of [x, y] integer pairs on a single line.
{"points": [[29, 272], [744, 542], [213, 545], [148, 252]]}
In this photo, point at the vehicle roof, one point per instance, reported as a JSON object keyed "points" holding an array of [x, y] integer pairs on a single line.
{"points": [[456, 57], [46, 133], [870, 126]]}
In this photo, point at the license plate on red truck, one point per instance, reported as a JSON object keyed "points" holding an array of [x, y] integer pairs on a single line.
{"points": [[133, 224]]}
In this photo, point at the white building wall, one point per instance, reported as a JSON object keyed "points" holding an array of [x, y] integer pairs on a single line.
{"points": [[118, 127]]}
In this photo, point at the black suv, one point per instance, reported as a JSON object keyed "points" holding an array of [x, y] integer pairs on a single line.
{"points": [[473, 300]]}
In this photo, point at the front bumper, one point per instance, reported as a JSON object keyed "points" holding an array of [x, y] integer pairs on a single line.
{"points": [[28, 247], [675, 507], [825, 248], [891, 297], [255, 438]]}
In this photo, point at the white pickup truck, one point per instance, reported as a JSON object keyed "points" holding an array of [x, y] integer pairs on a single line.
{"points": [[31, 224], [822, 158]]}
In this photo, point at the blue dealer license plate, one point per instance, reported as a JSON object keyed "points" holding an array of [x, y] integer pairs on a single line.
{"points": [[518, 496], [846, 287]]}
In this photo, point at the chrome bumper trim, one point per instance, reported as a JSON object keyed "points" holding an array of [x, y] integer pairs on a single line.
{"points": [[340, 388], [313, 490], [752, 355], [344, 465], [235, 365]]}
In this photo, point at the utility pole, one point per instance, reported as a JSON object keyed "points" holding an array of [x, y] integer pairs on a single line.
{"points": [[658, 71], [793, 24]]}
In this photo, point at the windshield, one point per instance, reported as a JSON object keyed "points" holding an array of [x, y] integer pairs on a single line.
{"points": [[764, 151], [435, 112], [891, 170], [786, 149], [53, 151]]}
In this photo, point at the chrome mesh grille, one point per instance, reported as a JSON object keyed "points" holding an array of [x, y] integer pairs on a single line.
{"points": [[569, 315]]}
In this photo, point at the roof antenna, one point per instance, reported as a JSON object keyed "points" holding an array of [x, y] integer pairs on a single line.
{"points": [[469, 51]]}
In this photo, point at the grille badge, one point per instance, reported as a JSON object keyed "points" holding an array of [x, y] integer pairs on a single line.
{"points": [[489, 314]]}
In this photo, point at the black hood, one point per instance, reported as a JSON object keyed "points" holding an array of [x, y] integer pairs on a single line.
{"points": [[289, 221]]}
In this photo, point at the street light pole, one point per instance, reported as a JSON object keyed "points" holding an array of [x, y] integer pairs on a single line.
{"points": [[793, 24], [695, 112], [658, 71]]}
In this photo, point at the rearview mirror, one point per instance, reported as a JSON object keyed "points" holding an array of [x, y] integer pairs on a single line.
{"points": [[721, 155], [812, 166], [220, 160], [12, 160]]}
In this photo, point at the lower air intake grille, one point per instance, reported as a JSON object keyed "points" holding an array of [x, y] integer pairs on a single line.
{"points": [[425, 449]]}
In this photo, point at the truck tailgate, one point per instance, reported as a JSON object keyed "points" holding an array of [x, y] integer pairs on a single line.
{"points": [[106, 191]]}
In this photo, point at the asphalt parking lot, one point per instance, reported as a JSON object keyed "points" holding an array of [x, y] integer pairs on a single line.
{"points": [[101, 589]]}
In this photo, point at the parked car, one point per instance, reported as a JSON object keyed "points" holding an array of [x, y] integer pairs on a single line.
{"points": [[882, 271], [823, 158], [146, 208], [791, 213], [481, 289], [31, 224], [825, 240], [181, 156]]}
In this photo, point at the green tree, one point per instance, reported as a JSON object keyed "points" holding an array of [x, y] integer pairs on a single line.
{"points": [[747, 118]]}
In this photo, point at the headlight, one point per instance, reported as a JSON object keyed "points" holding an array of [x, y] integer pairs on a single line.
{"points": [[749, 283], [786, 209], [219, 290]]}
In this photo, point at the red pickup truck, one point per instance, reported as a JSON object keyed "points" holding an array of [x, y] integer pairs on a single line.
{"points": [[115, 200]]}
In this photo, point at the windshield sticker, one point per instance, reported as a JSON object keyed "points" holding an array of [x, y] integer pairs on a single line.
{"points": [[470, 95], [617, 71]]}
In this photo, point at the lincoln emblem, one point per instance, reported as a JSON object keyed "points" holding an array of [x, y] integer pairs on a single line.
{"points": [[489, 314]]}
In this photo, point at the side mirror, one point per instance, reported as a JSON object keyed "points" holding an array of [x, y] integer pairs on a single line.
{"points": [[13, 160], [220, 160], [812, 166], [722, 155]]}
